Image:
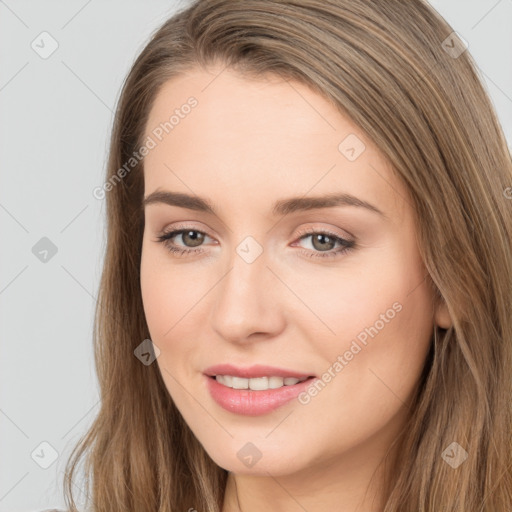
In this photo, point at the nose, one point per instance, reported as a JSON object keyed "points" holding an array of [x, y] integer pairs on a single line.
{"points": [[248, 304]]}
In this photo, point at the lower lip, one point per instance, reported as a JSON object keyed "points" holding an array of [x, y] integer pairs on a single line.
{"points": [[253, 403]]}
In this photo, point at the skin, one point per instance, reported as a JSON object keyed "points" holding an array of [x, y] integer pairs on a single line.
{"points": [[245, 145]]}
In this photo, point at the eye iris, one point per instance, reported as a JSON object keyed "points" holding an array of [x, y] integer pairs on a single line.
{"points": [[321, 238], [195, 236]]}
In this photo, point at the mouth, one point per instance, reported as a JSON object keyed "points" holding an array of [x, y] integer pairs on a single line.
{"points": [[256, 390]]}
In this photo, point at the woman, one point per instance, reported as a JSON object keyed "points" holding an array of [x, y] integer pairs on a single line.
{"points": [[306, 296]]}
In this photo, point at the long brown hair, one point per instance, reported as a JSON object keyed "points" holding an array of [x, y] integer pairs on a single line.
{"points": [[395, 68]]}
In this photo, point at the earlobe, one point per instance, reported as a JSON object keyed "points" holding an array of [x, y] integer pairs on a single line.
{"points": [[442, 315]]}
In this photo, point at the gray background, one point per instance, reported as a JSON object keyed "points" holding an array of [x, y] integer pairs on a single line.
{"points": [[56, 115]]}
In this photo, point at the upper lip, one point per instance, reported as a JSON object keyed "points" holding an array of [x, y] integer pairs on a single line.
{"points": [[257, 370]]}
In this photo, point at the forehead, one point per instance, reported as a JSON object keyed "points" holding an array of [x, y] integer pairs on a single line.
{"points": [[268, 136], [230, 105]]}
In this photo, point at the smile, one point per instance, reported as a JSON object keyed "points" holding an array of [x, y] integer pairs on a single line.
{"points": [[248, 401]]}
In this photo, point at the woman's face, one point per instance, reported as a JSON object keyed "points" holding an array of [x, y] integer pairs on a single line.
{"points": [[278, 275]]}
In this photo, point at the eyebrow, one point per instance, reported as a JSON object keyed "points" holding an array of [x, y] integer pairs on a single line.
{"points": [[281, 207]]}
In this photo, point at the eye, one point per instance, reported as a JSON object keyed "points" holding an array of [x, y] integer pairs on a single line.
{"points": [[323, 243], [192, 238]]}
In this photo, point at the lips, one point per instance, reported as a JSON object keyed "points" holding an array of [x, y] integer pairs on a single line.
{"points": [[254, 371], [250, 402]]}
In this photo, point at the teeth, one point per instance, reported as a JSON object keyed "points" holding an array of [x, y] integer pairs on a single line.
{"points": [[257, 383], [240, 383], [275, 382]]}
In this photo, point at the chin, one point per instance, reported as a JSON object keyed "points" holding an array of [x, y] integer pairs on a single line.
{"points": [[257, 458]]}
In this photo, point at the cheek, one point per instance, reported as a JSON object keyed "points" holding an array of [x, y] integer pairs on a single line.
{"points": [[167, 297], [369, 383], [168, 292], [383, 337], [380, 324], [376, 294], [175, 301]]}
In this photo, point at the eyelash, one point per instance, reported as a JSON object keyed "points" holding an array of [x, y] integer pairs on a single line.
{"points": [[348, 245]]}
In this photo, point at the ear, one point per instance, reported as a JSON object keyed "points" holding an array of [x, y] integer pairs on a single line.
{"points": [[442, 316]]}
